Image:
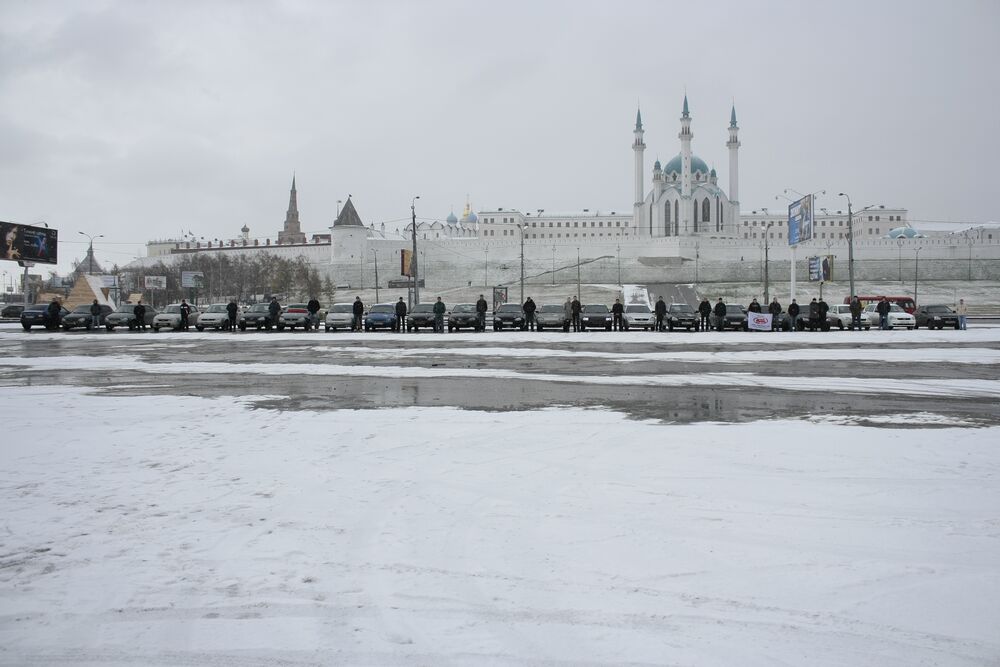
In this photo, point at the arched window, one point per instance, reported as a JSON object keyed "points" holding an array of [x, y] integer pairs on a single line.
{"points": [[694, 218], [676, 219], [706, 210]]}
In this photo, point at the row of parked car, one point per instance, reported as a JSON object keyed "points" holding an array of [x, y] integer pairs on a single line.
{"points": [[463, 316]]}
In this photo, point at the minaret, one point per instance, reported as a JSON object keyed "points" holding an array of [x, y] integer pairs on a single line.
{"points": [[685, 136], [638, 145], [292, 233], [734, 161]]}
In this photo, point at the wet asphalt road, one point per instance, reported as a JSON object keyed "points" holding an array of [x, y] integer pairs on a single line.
{"points": [[671, 404]]}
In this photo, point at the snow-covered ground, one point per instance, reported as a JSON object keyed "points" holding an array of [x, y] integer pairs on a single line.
{"points": [[183, 530]]}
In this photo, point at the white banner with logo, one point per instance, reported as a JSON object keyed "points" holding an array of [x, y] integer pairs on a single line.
{"points": [[759, 321]]}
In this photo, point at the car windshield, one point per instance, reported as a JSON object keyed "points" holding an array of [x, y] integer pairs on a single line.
{"points": [[734, 310], [216, 308], [551, 309], [894, 308], [173, 308], [638, 309], [682, 309], [37, 307], [596, 308], [82, 309], [259, 308], [423, 308], [342, 308], [464, 308], [295, 306], [126, 308], [509, 309], [938, 309], [383, 308]]}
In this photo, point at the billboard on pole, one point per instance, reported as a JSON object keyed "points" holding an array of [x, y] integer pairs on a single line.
{"points": [[156, 282], [26, 243], [821, 268], [404, 263], [800, 220], [192, 279]]}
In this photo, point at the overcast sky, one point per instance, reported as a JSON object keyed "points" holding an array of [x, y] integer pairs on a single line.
{"points": [[138, 120]]}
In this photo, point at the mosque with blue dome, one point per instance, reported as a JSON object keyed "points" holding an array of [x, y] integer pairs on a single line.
{"points": [[685, 198]]}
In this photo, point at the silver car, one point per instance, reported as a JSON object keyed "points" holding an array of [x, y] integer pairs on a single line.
{"points": [[170, 317], [551, 316], [840, 316], [294, 315], [340, 316], [216, 317], [898, 318], [639, 316]]}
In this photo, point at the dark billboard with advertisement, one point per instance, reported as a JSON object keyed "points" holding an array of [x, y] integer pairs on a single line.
{"points": [[25, 243]]}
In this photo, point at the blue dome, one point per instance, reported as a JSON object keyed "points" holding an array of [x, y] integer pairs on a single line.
{"points": [[471, 217], [697, 164], [451, 219], [904, 233]]}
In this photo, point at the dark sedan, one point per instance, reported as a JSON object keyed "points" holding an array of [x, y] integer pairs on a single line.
{"points": [[509, 316], [939, 316], [38, 316], [422, 315], [595, 316], [551, 316], [736, 318], [681, 316], [463, 316], [80, 317], [258, 317], [11, 312], [125, 317]]}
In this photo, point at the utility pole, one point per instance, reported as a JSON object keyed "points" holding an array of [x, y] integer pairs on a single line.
{"points": [[916, 274], [850, 242], [578, 274], [554, 265], [375, 252], [486, 269], [521, 228], [413, 260], [767, 284], [619, 266]]}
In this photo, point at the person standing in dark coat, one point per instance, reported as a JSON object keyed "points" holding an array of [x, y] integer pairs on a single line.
{"points": [[813, 314], [529, 308], [52, 315], [439, 311], [95, 315], [704, 309], [140, 315], [775, 309], [855, 313], [720, 314], [575, 309], [400, 315], [754, 306], [660, 310], [232, 310], [617, 315], [358, 309], [273, 312], [185, 314], [313, 307], [823, 309], [793, 313], [481, 308], [883, 309]]}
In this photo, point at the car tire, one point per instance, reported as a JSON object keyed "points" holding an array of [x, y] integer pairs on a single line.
{"points": [[109, 327], [26, 327], [155, 329], [199, 327], [841, 323]]}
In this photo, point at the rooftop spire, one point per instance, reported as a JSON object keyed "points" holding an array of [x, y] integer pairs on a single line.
{"points": [[732, 117], [685, 111], [638, 119]]}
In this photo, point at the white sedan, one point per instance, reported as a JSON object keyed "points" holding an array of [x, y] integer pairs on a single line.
{"points": [[898, 318]]}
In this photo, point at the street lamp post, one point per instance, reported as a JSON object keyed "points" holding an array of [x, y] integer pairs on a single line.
{"points": [[850, 242], [553, 265], [90, 250], [578, 274], [916, 273], [619, 266], [520, 227], [375, 252], [486, 269], [414, 268], [899, 242], [767, 282], [970, 241]]}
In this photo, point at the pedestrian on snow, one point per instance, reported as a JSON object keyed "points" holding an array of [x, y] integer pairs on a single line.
{"points": [[140, 315], [813, 314], [273, 312], [52, 313], [775, 309], [617, 315], [186, 313], [529, 313], [720, 314], [883, 309], [856, 309], [439, 309], [704, 309], [358, 309], [660, 310], [232, 310], [824, 308], [567, 313], [963, 313], [481, 308], [754, 306], [793, 314], [95, 315], [313, 308], [400, 316], [575, 308]]}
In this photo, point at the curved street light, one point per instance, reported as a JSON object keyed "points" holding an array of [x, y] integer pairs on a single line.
{"points": [[90, 251], [413, 260]]}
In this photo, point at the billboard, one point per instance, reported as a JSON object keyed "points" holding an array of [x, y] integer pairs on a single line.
{"points": [[821, 268], [404, 263], [194, 279], [26, 243], [156, 282], [636, 294], [800, 220]]}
